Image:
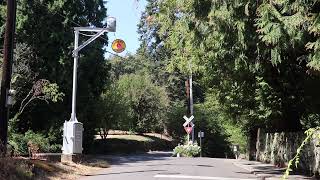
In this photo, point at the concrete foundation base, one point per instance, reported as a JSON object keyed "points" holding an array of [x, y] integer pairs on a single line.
{"points": [[51, 157], [76, 158]]}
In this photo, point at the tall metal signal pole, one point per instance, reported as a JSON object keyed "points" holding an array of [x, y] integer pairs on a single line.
{"points": [[191, 98], [6, 73], [72, 129]]}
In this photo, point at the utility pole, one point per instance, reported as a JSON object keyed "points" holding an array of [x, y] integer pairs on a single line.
{"points": [[190, 101], [191, 97], [187, 83], [6, 74]]}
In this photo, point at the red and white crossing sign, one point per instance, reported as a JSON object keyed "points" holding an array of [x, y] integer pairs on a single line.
{"points": [[188, 125], [188, 129]]}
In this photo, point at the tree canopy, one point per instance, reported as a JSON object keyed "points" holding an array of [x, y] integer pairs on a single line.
{"points": [[258, 58], [255, 64], [45, 30]]}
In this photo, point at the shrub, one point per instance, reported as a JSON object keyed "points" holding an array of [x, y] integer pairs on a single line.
{"points": [[35, 142], [188, 150]]}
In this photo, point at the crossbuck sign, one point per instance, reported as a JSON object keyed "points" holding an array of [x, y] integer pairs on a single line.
{"points": [[188, 125], [188, 121]]}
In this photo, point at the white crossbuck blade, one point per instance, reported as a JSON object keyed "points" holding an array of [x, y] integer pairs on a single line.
{"points": [[188, 120]]}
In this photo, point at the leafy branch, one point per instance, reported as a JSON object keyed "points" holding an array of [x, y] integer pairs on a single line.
{"points": [[41, 90], [310, 133]]}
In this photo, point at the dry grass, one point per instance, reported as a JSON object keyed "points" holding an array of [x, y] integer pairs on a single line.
{"points": [[72, 171], [24, 169], [15, 169]]}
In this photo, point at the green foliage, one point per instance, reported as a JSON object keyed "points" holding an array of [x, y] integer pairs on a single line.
{"points": [[311, 133], [147, 102], [188, 150], [257, 63], [312, 120], [174, 120], [44, 51], [112, 110], [254, 56], [236, 136], [20, 143], [51, 92], [41, 90], [217, 140]]}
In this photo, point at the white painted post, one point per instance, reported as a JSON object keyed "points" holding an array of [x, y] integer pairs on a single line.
{"points": [[74, 84]]}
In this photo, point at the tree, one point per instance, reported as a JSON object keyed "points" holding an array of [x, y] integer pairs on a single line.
{"points": [[113, 109], [258, 60], [147, 102], [248, 57], [47, 29]]}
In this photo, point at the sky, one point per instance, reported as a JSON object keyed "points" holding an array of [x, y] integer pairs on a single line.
{"points": [[127, 14]]}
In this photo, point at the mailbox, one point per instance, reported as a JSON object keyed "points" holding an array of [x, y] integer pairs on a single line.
{"points": [[72, 137]]}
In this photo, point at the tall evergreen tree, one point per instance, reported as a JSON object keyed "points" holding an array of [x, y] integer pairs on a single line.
{"points": [[47, 28]]}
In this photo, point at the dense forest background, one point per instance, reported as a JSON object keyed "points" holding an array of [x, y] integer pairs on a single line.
{"points": [[255, 64]]}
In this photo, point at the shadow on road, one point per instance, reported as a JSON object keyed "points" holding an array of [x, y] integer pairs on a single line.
{"points": [[118, 145], [141, 157]]}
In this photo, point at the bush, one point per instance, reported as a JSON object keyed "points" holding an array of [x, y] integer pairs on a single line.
{"points": [[36, 142], [188, 150]]}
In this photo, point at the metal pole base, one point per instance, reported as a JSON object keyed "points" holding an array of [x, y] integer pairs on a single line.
{"points": [[72, 137]]}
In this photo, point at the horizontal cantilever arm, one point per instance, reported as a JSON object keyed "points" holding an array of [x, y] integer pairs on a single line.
{"points": [[92, 29], [89, 41]]}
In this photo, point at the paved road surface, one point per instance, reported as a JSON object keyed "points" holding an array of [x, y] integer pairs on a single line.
{"points": [[160, 166]]}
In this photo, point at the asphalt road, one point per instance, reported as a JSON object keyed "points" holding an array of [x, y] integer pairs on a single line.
{"points": [[160, 166]]}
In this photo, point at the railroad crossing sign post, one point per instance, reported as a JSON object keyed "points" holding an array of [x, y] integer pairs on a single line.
{"points": [[188, 125], [72, 129]]}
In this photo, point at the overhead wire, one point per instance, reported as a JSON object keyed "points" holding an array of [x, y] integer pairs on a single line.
{"points": [[115, 54]]}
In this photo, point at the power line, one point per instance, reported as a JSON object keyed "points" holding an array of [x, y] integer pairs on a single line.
{"points": [[116, 55]]}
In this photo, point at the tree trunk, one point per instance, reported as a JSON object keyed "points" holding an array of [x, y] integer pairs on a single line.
{"points": [[105, 133], [252, 139]]}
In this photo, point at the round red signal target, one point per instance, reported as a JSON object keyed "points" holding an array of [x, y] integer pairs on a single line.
{"points": [[118, 45]]}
